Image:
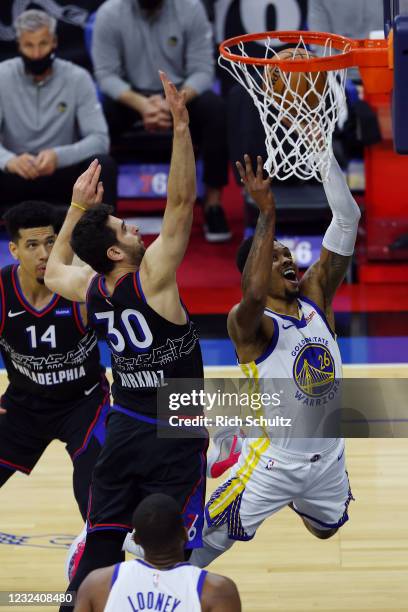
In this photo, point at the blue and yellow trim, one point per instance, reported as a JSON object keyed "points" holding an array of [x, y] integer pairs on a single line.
{"points": [[224, 505]]}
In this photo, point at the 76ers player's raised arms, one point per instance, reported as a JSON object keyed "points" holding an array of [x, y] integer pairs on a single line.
{"points": [[134, 303]]}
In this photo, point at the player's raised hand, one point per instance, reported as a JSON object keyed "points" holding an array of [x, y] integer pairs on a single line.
{"points": [[176, 101], [88, 189], [256, 186], [2, 410]]}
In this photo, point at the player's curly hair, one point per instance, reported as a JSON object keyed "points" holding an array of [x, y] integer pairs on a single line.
{"points": [[91, 238], [29, 214]]}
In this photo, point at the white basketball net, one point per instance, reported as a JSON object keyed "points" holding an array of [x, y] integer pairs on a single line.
{"points": [[298, 134]]}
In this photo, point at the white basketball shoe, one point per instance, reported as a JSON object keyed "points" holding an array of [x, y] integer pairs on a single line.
{"points": [[130, 546], [74, 555]]}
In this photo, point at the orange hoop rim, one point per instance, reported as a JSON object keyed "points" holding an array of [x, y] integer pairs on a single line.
{"points": [[363, 52]]}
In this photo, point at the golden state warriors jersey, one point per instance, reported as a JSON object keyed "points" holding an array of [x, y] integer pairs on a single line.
{"points": [[302, 367], [137, 585]]}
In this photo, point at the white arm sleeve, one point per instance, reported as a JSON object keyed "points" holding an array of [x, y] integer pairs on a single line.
{"points": [[341, 234]]}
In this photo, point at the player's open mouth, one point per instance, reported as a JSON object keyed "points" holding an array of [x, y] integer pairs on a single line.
{"points": [[290, 275]]}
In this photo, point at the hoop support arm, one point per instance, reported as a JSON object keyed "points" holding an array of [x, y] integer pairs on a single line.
{"points": [[373, 57]]}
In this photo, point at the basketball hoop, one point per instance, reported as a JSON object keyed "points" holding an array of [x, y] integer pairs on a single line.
{"points": [[300, 96]]}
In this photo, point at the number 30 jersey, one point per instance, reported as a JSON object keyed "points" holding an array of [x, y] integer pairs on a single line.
{"points": [[145, 348], [47, 353]]}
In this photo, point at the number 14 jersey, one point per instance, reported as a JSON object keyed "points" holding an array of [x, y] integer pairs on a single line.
{"points": [[47, 353]]}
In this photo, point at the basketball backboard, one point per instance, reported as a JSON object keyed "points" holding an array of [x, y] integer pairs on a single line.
{"points": [[396, 20]]}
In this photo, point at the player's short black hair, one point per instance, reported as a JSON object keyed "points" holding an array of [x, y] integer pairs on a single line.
{"points": [[92, 237], [159, 523], [243, 252], [29, 214]]}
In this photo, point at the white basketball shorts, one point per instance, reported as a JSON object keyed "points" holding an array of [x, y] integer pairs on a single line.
{"points": [[267, 478]]}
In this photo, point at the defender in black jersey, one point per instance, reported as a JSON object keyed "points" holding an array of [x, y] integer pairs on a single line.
{"points": [[57, 388], [134, 303]]}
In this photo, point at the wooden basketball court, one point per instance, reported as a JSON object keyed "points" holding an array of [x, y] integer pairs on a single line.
{"points": [[364, 567]]}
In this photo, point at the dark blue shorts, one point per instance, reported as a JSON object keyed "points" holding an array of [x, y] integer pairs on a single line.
{"points": [[135, 463], [32, 423]]}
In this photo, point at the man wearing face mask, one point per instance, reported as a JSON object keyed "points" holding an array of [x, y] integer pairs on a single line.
{"points": [[132, 40], [51, 124]]}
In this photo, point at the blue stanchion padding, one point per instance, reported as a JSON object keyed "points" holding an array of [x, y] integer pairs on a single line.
{"points": [[400, 93]]}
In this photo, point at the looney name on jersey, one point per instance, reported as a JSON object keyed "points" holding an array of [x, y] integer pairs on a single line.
{"points": [[153, 601], [142, 379]]}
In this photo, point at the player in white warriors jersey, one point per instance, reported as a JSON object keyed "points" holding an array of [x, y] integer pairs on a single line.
{"points": [[283, 328], [162, 581]]}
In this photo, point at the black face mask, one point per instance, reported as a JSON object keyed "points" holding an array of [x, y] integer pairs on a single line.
{"points": [[150, 5], [37, 67]]}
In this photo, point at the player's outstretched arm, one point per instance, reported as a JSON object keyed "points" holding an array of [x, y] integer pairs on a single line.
{"points": [[322, 280], [70, 281], [244, 320], [94, 591], [220, 594], [165, 254]]}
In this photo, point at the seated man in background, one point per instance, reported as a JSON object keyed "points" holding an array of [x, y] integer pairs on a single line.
{"points": [[51, 124], [132, 40]]}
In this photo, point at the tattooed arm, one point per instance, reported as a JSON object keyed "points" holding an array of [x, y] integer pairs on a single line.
{"points": [[322, 280], [244, 320]]}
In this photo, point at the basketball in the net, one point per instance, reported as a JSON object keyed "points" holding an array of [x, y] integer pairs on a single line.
{"points": [[306, 87]]}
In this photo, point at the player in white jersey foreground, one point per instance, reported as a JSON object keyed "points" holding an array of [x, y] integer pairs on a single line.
{"points": [[163, 581], [283, 328]]}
